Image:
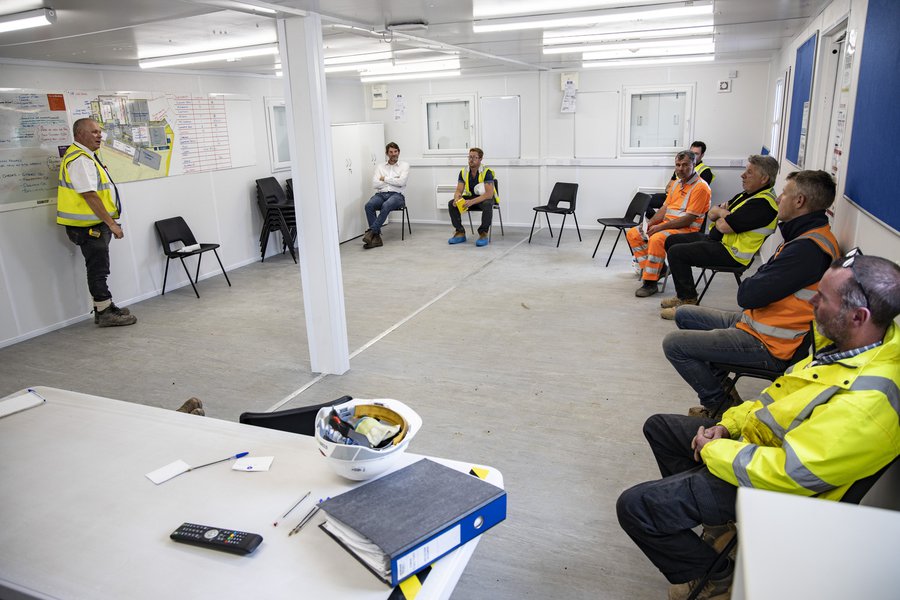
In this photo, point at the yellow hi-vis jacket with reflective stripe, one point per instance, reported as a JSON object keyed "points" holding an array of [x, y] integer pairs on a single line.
{"points": [[71, 207], [701, 168], [816, 429], [467, 193], [742, 246], [782, 324]]}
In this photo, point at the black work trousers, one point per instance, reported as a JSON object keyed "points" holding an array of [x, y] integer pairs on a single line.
{"points": [[96, 256], [487, 214], [660, 515], [686, 250]]}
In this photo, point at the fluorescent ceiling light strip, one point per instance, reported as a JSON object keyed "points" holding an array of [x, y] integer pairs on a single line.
{"points": [[356, 67], [484, 9], [358, 58], [494, 25], [442, 65], [648, 52], [637, 62], [558, 38], [210, 56], [698, 41], [408, 76], [27, 20]]}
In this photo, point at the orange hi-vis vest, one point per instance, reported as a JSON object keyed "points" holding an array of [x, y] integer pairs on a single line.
{"points": [[782, 324]]}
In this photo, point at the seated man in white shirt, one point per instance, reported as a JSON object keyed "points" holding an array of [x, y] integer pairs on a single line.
{"points": [[389, 182]]}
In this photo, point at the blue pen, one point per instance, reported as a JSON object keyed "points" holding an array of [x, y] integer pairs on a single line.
{"points": [[215, 462]]}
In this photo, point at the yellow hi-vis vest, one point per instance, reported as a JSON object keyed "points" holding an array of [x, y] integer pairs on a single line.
{"points": [[742, 246], [71, 207], [782, 325], [816, 429], [467, 193], [701, 168]]}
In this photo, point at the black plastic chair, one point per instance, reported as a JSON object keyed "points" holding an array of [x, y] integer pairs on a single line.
{"points": [[734, 372], [404, 218], [176, 230], [854, 495], [278, 215], [495, 207], [636, 209], [294, 420], [562, 192], [707, 279]]}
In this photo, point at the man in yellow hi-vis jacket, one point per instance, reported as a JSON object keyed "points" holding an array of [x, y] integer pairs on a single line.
{"points": [[829, 421], [88, 205]]}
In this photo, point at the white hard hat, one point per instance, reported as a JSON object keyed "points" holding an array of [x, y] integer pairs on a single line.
{"points": [[359, 462], [479, 189]]}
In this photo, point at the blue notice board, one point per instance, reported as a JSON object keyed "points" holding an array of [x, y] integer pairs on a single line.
{"points": [[803, 80], [874, 160]]}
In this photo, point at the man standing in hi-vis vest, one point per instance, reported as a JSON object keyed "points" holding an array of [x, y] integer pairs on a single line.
{"points": [[87, 205]]}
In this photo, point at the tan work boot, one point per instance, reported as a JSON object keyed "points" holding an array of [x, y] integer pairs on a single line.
{"points": [[718, 536], [192, 406], [700, 411], [114, 317], [375, 242], [676, 301], [715, 589]]}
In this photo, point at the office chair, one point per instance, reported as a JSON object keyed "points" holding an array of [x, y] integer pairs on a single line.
{"points": [[294, 420], [636, 208], [176, 230], [496, 207], [854, 495], [562, 192]]}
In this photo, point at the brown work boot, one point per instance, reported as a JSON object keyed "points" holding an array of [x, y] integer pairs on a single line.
{"points": [[375, 242], [190, 405], [715, 589], [367, 236], [700, 411], [718, 536], [115, 309], [113, 317], [676, 301]]}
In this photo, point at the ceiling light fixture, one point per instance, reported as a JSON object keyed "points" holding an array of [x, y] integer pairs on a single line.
{"points": [[638, 62], [447, 64], [27, 20], [357, 58], [650, 52], [591, 36], [353, 67], [408, 76], [208, 56], [697, 9], [485, 9], [634, 44]]}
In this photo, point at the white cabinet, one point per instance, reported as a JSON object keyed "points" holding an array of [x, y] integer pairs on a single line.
{"points": [[356, 148]]}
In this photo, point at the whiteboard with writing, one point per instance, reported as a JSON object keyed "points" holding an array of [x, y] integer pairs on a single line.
{"points": [[146, 135]]}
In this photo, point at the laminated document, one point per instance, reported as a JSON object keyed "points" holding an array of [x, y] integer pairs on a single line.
{"points": [[400, 523]]}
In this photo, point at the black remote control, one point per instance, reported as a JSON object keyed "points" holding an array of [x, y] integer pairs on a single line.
{"points": [[227, 540]]}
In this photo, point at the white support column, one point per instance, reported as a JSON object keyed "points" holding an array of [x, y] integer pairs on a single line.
{"points": [[309, 136]]}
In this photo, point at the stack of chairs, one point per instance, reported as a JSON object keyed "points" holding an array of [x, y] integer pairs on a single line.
{"points": [[278, 216]]}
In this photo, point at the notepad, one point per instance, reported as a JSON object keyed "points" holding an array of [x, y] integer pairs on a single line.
{"points": [[401, 523]]}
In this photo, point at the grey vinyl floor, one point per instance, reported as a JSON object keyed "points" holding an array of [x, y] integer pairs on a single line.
{"points": [[534, 359]]}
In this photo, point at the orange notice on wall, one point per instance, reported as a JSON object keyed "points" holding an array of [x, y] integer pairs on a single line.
{"points": [[56, 102]]}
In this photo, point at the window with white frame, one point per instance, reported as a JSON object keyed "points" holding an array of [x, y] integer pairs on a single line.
{"points": [[449, 124], [777, 116], [658, 119], [276, 120]]}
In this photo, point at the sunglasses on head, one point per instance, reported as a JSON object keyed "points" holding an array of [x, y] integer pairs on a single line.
{"points": [[849, 260]]}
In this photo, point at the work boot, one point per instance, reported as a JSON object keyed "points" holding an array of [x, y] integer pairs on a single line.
{"points": [[669, 313], [112, 317], [715, 589], [458, 237], [375, 242], [648, 288], [700, 411], [190, 405], [115, 309], [367, 236], [482, 240], [718, 536], [675, 301]]}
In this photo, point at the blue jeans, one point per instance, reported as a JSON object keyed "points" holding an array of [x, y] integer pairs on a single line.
{"points": [[709, 335], [384, 202]]}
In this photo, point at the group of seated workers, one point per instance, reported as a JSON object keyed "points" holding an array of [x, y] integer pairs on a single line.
{"points": [[832, 419]]}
